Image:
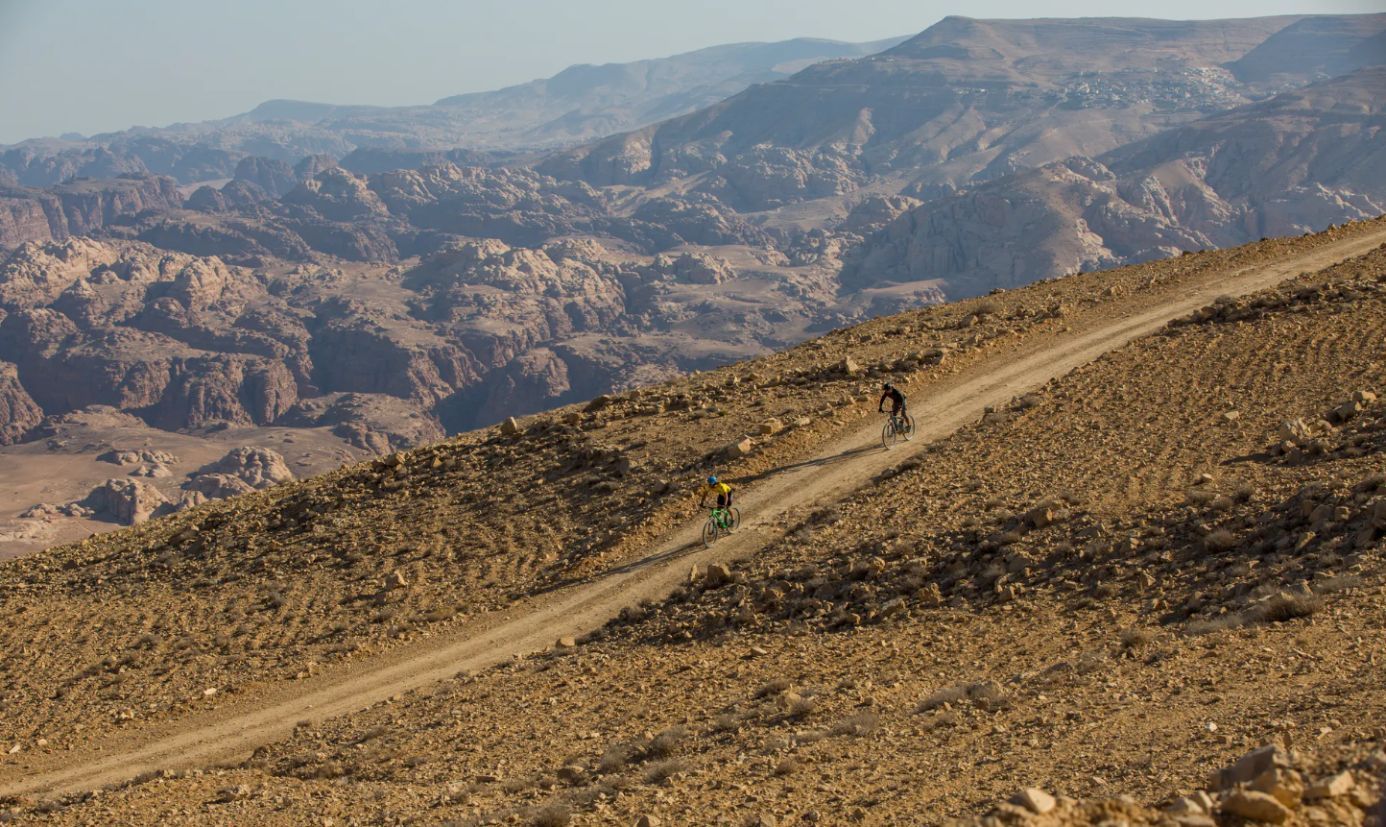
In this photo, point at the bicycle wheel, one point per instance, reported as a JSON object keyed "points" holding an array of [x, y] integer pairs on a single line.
{"points": [[909, 427], [733, 519], [709, 532], [888, 434]]}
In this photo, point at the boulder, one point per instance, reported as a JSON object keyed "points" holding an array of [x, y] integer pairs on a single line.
{"points": [[1256, 806], [1250, 766], [849, 367], [716, 575], [1297, 432], [510, 427], [771, 426], [737, 450]]}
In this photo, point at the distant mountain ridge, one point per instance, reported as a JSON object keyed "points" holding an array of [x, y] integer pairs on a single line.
{"points": [[580, 103]]}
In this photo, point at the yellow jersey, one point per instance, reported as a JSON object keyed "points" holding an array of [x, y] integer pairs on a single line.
{"points": [[714, 490]]}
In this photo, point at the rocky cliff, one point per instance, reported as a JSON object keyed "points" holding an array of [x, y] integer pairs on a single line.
{"points": [[79, 206]]}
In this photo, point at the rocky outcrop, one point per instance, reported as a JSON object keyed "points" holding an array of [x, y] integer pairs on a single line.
{"points": [[19, 413], [257, 468], [78, 207], [126, 501]]}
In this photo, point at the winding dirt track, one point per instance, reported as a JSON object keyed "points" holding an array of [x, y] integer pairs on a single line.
{"points": [[232, 732]]}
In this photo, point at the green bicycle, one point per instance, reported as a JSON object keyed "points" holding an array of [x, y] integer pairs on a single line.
{"points": [[899, 428], [721, 522]]}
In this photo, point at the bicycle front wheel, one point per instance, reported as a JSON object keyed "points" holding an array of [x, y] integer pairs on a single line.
{"points": [[709, 532], [888, 434]]}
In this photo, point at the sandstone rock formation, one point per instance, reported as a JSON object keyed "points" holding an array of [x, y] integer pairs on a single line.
{"points": [[256, 467], [18, 412], [125, 501]]}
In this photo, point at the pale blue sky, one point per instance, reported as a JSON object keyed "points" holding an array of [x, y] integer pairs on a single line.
{"points": [[101, 65]]}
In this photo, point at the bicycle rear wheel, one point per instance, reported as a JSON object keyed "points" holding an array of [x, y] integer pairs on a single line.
{"points": [[709, 532], [909, 427], [733, 519]]}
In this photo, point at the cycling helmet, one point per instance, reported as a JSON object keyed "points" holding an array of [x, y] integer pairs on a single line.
{"points": [[711, 480], [885, 386]]}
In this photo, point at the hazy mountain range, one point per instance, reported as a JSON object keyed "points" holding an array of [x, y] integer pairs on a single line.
{"points": [[578, 104]]}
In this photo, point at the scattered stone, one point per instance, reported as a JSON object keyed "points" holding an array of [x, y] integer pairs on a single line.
{"points": [[1035, 800], [567, 642], [510, 427], [771, 426], [849, 367], [1256, 806], [1284, 785], [598, 403], [717, 574], [647, 820], [738, 449], [1250, 766], [1334, 787]]}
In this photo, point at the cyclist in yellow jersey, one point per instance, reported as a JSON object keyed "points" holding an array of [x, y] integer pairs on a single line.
{"points": [[721, 489]]}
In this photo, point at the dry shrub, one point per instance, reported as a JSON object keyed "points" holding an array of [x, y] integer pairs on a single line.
{"points": [[662, 771], [774, 687], [554, 815], [666, 743], [617, 756], [1336, 583], [1209, 625], [862, 723], [947, 695], [988, 307], [947, 718], [799, 706], [1285, 607], [1220, 540], [1135, 638], [787, 766], [986, 695]]}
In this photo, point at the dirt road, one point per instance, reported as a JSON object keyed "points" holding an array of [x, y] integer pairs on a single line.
{"points": [[534, 624]]}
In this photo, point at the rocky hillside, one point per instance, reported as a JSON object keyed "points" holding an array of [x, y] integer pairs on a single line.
{"points": [[1292, 164], [578, 104], [1148, 591]]}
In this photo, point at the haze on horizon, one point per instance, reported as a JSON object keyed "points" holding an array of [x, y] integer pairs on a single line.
{"points": [[88, 67]]}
